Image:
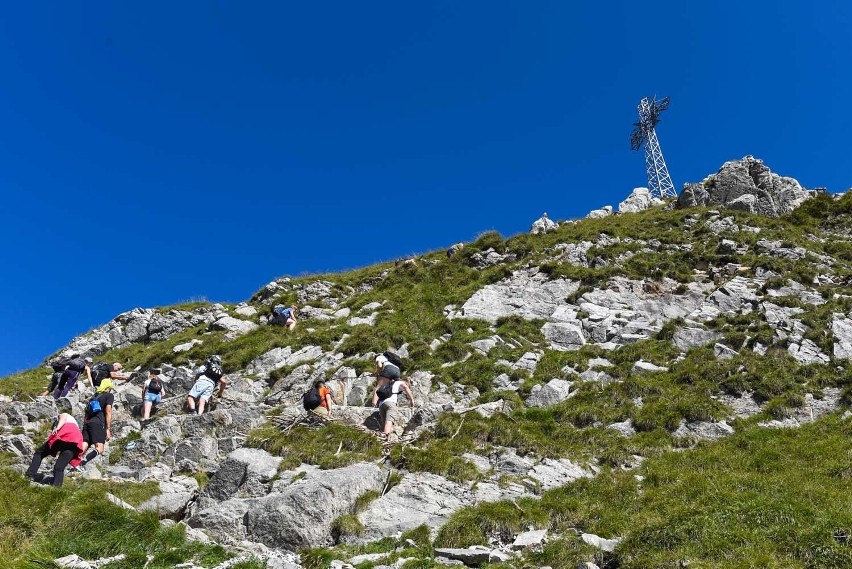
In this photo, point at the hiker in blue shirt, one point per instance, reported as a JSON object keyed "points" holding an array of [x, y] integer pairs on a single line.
{"points": [[284, 316]]}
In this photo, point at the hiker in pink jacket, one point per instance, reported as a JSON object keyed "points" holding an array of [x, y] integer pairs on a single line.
{"points": [[66, 441]]}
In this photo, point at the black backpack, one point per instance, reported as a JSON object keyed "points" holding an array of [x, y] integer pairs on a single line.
{"points": [[214, 371], [60, 364], [155, 386], [101, 371], [311, 399], [385, 390], [394, 359], [77, 364]]}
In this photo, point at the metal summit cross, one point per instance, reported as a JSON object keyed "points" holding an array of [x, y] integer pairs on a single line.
{"points": [[659, 181]]}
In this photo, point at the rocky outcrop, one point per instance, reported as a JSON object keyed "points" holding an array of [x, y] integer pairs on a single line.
{"points": [[543, 224], [301, 514], [141, 325], [746, 185], [639, 200]]}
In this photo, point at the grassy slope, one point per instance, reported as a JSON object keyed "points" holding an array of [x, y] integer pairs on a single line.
{"points": [[612, 504]]}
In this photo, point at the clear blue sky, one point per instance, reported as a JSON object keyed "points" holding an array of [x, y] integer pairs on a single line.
{"points": [[157, 152]]}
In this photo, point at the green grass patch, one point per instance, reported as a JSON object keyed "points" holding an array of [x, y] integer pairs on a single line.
{"points": [[317, 446]]}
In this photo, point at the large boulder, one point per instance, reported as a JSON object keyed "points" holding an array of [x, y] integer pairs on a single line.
{"points": [[555, 391], [246, 473], [421, 498], [302, 514], [746, 185], [639, 200]]}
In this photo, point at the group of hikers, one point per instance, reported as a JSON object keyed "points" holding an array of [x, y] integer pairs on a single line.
{"points": [[389, 384], [75, 446]]}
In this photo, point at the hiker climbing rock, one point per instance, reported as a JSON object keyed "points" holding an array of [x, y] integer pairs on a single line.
{"points": [[65, 442], [207, 376], [152, 392], [97, 422], [71, 375], [386, 394], [284, 316], [104, 370], [59, 366], [318, 399], [388, 369]]}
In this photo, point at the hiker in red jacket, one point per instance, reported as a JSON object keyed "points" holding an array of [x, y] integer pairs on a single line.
{"points": [[65, 442]]}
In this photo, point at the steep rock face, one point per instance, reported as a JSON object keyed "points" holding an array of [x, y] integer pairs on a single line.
{"points": [[140, 325], [301, 515], [746, 185]]}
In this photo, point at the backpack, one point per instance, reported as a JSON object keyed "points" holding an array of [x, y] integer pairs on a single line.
{"points": [[100, 371], [311, 399], [60, 364], [394, 359], [213, 371], [77, 364], [385, 390], [93, 407], [155, 386]]}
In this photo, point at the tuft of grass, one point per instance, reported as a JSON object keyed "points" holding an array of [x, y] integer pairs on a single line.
{"points": [[317, 446], [39, 524]]}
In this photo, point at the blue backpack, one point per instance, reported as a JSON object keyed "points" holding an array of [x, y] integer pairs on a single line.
{"points": [[93, 407]]}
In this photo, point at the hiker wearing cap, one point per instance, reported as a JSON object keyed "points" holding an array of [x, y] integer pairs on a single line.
{"points": [[69, 377], [65, 442], [386, 394], [97, 422], [152, 392], [285, 316], [207, 377], [103, 370]]}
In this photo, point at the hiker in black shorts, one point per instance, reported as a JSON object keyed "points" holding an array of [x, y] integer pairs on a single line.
{"points": [[98, 421]]}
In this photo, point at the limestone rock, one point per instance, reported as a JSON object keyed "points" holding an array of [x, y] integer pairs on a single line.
{"points": [[555, 391], [421, 498], [605, 211], [638, 200], [704, 430], [564, 336], [245, 473], [535, 538], [688, 337], [841, 327], [746, 185], [301, 515], [807, 353], [607, 545], [543, 224], [475, 555], [527, 293], [647, 367], [723, 352], [233, 326]]}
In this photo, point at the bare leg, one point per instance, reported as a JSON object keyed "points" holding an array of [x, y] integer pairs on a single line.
{"points": [[190, 402], [146, 410], [201, 403]]}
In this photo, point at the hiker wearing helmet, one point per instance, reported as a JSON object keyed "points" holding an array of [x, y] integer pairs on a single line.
{"points": [[207, 376], [65, 442], [97, 422]]}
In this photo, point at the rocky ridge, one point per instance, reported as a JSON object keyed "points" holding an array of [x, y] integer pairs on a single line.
{"points": [[577, 301]]}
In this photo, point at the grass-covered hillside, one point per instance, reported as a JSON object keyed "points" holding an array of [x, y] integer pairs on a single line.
{"points": [[731, 451]]}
